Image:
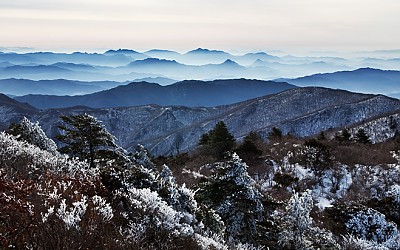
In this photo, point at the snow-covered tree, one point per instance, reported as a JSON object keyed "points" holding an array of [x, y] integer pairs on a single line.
{"points": [[86, 138], [232, 194], [297, 221], [316, 154], [178, 197], [141, 156], [298, 231], [369, 224], [33, 134]]}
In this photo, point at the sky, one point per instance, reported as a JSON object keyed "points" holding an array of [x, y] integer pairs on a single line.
{"points": [[233, 25]]}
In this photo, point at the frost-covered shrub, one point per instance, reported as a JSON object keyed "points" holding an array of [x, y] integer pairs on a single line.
{"points": [[128, 172], [353, 243], [394, 193], [369, 224], [20, 157], [16, 211], [60, 210], [374, 181], [210, 242], [33, 134], [159, 223]]}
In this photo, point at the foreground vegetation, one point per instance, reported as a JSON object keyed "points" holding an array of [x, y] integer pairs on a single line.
{"points": [[336, 191]]}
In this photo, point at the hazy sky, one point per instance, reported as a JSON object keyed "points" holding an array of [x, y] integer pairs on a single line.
{"points": [[187, 24]]}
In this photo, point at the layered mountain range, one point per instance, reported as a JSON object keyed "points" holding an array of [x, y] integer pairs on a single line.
{"points": [[168, 129], [201, 64], [84, 73], [148, 97]]}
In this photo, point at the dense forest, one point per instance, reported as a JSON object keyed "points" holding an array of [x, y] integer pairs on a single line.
{"points": [[336, 190]]}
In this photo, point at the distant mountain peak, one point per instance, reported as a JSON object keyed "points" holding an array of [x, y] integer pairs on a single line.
{"points": [[261, 53], [152, 60], [157, 60], [206, 51], [368, 69], [161, 51], [230, 62], [121, 51]]}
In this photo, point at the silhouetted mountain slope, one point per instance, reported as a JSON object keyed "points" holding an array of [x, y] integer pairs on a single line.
{"points": [[153, 62], [39, 69], [15, 58], [162, 54], [13, 111], [365, 80], [185, 93], [80, 57], [18, 87], [6, 101], [299, 111], [77, 67], [201, 52], [158, 80]]}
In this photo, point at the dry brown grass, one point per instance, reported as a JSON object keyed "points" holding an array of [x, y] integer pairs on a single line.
{"points": [[365, 154]]}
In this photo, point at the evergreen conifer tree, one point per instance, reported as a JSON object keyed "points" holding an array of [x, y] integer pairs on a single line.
{"points": [[362, 137], [232, 194], [344, 136], [218, 141], [321, 136], [275, 134], [316, 154], [249, 148], [86, 138]]}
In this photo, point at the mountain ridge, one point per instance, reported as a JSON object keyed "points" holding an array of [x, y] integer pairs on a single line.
{"points": [[298, 111], [365, 80], [185, 93]]}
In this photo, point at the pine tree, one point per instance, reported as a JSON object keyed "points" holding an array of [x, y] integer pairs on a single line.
{"points": [[231, 193], [321, 136], [344, 136], [362, 137], [297, 221], [249, 148], [218, 141], [167, 186], [275, 134], [86, 138], [141, 156], [178, 197]]}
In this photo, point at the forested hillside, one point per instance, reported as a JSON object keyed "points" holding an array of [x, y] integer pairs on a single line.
{"points": [[283, 193]]}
